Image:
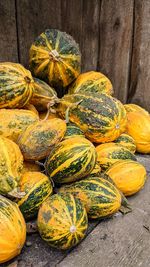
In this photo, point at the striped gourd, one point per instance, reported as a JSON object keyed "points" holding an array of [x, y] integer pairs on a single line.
{"points": [[134, 107], [14, 121], [91, 82], [102, 118], [126, 141], [37, 188], [100, 197], [38, 139], [43, 95], [12, 230], [16, 85], [73, 131], [55, 58], [11, 164], [71, 160], [110, 153], [62, 221], [138, 127], [129, 176]]}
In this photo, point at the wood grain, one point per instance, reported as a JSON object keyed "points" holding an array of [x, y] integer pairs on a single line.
{"points": [[33, 19], [139, 91], [116, 23], [8, 33]]}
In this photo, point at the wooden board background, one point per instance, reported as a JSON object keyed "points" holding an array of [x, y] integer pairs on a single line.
{"points": [[114, 37]]}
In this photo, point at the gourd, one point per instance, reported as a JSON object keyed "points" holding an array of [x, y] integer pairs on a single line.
{"points": [[73, 131], [13, 122], [62, 221], [96, 171], [16, 85], [12, 230], [37, 188], [55, 58], [37, 141], [91, 82], [99, 196], [102, 118], [126, 141], [129, 176], [11, 164], [134, 107], [138, 126], [71, 160], [110, 153], [30, 167], [43, 95], [31, 108]]}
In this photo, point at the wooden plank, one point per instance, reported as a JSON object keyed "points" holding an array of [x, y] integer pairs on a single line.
{"points": [[33, 19], [90, 34], [122, 241], [140, 72], [116, 21], [8, 38]]}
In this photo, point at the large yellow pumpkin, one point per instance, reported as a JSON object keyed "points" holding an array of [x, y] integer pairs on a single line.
{"points": [[12, 230]]}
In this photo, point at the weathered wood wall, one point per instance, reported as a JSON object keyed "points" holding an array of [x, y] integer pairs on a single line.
{"points": [[114, 37]]}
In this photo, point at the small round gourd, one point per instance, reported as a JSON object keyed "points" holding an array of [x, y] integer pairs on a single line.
{"points": [[16, 85], [129, 176], [62, 221], [126, 141], [37, 141], [73, 131], [71, 160], [12, 230], [37, 188]]}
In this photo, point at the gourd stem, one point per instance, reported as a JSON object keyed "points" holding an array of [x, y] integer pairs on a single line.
{"points": [[39, 163]]}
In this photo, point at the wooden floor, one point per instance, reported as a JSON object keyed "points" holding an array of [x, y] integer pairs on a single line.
{"points": [[123, 241]]}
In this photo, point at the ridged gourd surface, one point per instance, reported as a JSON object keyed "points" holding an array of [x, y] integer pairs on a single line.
{"points": [[110, 153], [100, 197], [102, 118], [12, 230], [91, 82], [71, 160], [16, 85], [62, 221], [37, 188], [55, 58], [126, 141]]}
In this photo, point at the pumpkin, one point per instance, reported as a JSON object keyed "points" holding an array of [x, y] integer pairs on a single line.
{"points": [[12, 229], [43, 95], [129, 176], [48, 115], [31, 108], [126, 141], [71, 160], [11, 164], [100, 197], [73, 131], [102, 118], [96, 171], [138, 127], [30, 167], [16, 85], [110, 153], [55, 58], [14, 121], [62, 221], [37, 188], [134, 107], [38, 139], [91, 82]]}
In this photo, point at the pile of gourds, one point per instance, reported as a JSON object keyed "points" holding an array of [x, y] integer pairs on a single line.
{"points": [[63, 160]]}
